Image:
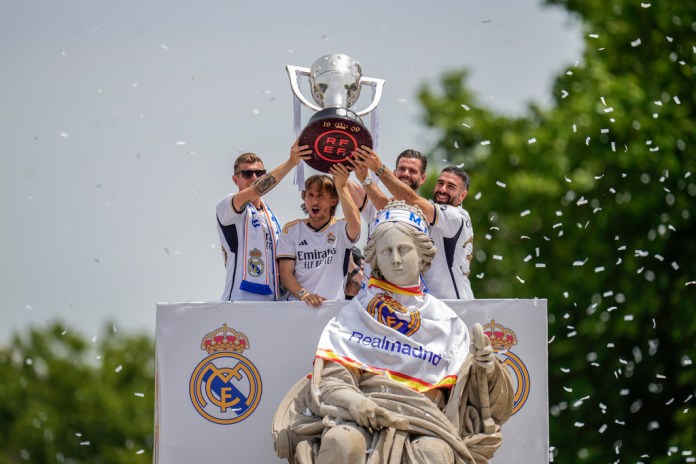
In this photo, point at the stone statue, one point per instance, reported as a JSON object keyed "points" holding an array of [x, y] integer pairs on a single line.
{"points": [[396, 378]]}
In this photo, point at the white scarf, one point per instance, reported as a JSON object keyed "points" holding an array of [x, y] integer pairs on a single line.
{"points": [[416, 340], [259, 271]]}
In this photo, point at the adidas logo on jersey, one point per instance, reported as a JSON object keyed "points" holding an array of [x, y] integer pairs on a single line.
{"points": [[303, 242]]}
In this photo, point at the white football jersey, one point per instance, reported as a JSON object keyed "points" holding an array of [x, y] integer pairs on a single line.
{"points": [[232, 229], [453, 236], [321, 256]]}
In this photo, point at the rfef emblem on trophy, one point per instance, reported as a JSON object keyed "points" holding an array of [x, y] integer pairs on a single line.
{"points": [[335, 130]]}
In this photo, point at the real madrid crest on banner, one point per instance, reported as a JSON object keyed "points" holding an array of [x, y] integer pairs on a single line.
{"points": [[502, 339], [386, 310], [225, 387]]}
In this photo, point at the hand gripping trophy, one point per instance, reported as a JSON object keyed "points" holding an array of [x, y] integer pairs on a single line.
{"points": [[396, 376], [335, 130]]}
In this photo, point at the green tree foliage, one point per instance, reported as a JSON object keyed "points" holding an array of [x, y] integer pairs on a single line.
{"points": [[69, 400], [590, 204]]}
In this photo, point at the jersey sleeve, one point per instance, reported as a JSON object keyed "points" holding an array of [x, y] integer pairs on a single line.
{"points": [[226, 213], [449, 220], [287, 243]]}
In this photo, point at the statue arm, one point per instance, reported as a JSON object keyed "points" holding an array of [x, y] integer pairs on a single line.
{"points": [[339, 387]]}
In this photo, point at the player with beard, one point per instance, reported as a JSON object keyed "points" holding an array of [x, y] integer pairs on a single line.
{"points": [[450, 224], [314, 253]]}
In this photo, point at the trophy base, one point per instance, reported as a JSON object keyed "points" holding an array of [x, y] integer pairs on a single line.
{"points": [[333, 134]]}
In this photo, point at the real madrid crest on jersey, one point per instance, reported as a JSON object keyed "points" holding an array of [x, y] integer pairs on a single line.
{"points": [[225, 387], [255, 264], [331, 238], [502, 339], [386, 310]]}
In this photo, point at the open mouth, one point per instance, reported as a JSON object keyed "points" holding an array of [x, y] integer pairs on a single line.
{"points": [[442, 198], [315, 211]]}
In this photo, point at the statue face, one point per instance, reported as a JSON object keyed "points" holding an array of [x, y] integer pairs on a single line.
{"points": [[397, 257]]}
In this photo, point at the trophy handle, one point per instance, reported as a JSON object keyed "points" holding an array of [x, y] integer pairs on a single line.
{"points": [[294, 73], [377, 85]]}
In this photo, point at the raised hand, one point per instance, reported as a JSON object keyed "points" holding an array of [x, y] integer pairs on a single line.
{"points": [[483, 351]]}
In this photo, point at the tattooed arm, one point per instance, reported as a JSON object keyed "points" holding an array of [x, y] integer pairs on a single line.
{"points": [[265, 183]]}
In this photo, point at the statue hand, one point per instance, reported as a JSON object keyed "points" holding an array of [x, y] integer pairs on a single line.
{"points": [[482, 349], [367, 414]]}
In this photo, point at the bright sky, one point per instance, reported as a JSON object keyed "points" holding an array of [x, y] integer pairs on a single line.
{"points": [[119, 123]]}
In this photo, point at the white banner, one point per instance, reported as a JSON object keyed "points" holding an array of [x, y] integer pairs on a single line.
{"points": [[216, 405]]}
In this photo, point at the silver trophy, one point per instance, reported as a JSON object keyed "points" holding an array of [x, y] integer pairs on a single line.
{"points": [[335, 130]]}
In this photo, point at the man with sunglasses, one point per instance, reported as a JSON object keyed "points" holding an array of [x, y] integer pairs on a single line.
{"points": [[249, 230]]}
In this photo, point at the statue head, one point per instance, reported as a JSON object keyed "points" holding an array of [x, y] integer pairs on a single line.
{"points": [[399, 248]]}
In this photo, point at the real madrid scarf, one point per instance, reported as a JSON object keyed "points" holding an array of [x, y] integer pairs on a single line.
{"points": [[260, 252], [416, 340]]}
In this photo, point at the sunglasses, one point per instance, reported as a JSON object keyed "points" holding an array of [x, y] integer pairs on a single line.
{"points": [[247, 173]]}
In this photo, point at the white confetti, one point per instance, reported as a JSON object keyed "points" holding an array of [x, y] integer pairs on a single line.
{"points": [[84, 443], [520, 279], [579, 424], [628, 317], [580, 263], [500, 184], [164, 47], [181, 142], [564, 94], [465, 107], [594, 36], [608, 110], [498, 257], [581, 201], [599, 269], [587, 141], [531, 141], [645, 5], [65, 135], [141, 395], [525, 212], [676, 100], [486, 142], [119, 368], [635, 43], [603, 428], [140, 451], [568, 389]]}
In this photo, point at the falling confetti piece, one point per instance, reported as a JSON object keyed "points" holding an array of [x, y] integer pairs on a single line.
{"points": [[498, 257], [465, 107], [181, 142], [594, 36], [140, 451], [531, 141], [84, 443], [65, 135], [141, 395], [118, 369], [486, 142], [500, 184], [635, 43]]}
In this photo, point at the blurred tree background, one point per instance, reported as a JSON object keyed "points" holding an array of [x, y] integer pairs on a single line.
{"points": [[589, 204], [69, 400]]}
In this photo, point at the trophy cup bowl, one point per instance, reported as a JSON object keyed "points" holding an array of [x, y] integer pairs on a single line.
{"points": [[335, 131]]}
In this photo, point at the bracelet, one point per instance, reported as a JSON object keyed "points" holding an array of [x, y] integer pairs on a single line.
{"points": [[302, 294], [380, 170]]}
